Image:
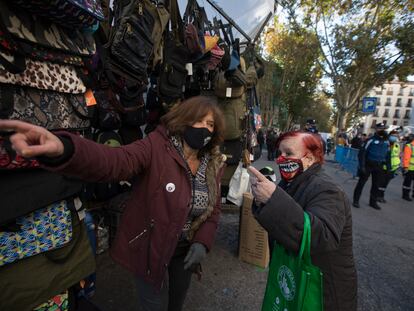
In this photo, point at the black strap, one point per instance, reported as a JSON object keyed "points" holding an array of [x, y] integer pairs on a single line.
{"points": [[15, 66], [6, 100], [189, 11], [177, 26], [225, 35]]}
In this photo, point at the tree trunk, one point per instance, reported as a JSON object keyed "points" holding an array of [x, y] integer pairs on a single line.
{"points": [[342, 119]]}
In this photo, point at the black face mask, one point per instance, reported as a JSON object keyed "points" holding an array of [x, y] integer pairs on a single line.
{"points": [[381, 133], [197, 138]]}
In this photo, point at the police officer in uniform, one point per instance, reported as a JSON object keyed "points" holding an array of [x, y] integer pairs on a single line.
{"points": [[372, 157], [408, 167], [393, 163]]}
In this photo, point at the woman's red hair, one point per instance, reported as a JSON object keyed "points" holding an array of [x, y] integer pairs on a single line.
{"points": [[312, 142]]}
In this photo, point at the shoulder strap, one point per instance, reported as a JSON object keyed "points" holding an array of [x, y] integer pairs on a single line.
{"points": [[177, 27], [305, 246]]}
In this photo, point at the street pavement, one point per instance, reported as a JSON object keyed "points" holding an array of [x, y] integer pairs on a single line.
{"points": [[383, 251]]}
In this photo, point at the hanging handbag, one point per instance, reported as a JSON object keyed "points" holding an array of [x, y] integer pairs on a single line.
{"points": [[44, 76], [48, 109], [34, 30], [24, 191], [176, 55], [233, 150], [137, 26], [9, 159], [27, 283], [194, 19], [294, 284], [41, 231], [67, 13], [37, 52], [234, 113], [224, 89]]}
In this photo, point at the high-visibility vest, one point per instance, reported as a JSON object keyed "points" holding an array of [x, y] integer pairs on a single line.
{"points": [[395, 157], [409, 157], [411, 167]]}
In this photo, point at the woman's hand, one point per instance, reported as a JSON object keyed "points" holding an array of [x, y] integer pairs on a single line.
{"points": [[263, 188], [31, 140]]}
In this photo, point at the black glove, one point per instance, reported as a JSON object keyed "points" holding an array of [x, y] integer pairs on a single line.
{"points": [[195, 255]]}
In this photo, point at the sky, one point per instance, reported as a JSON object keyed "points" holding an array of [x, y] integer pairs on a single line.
{"points": [[246, 13]]}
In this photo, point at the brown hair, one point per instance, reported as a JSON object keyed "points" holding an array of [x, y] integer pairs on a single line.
{"points": [[192, 110]]}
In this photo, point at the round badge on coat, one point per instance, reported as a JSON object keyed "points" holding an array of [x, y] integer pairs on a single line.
{"points": [[170, 187], [376, 142]]}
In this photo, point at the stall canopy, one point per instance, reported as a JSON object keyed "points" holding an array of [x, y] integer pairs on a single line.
{"points": [[248, 14]]}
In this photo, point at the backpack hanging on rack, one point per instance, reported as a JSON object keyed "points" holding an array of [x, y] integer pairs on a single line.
{"points": [[136, 23], [176, 55]]}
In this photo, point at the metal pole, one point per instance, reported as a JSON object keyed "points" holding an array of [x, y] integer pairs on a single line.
{"points": [[262, 27], [229, 19]]}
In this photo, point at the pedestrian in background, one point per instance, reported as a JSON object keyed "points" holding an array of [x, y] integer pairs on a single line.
{"points": [[261, 139], [305, 187], [357, 142], [170, 221], [271, 138], [408, 168], [392, 164], [372, 158]]}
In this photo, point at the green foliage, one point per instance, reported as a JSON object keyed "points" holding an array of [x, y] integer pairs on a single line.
{"points": [[363, 43], [320, 110], [296, 74]]}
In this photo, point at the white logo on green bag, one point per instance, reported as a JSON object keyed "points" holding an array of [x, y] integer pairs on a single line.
{"points": [[286, 282]]}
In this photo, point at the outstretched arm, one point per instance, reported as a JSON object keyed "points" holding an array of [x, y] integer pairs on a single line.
{"points": [[89, 161]]}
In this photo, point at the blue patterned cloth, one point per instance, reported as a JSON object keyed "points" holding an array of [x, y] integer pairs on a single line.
{"points": [[43, 230]]}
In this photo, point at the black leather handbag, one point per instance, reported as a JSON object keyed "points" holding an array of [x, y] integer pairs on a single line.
{"points": [[176, 55]]}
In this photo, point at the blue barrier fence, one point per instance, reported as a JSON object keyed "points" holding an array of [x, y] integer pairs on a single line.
{"points": [[347, 159]]}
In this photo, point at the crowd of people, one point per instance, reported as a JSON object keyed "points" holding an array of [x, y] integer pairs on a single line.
{"points": [[171, 218]]}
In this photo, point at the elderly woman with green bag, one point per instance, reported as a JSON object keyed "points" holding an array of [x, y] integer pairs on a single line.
{"points": [[309, 220]]}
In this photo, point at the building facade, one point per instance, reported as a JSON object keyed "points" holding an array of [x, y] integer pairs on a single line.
{"points": [[395, 102]]}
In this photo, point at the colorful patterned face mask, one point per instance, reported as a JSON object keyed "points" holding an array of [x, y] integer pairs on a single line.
{"points": [[289, 167]]}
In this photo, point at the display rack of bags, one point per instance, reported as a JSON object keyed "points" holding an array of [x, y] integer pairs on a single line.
{"points": [[44, 249]]}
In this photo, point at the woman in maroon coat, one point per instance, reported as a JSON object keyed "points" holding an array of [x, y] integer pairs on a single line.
{"points": [[171, 217]]}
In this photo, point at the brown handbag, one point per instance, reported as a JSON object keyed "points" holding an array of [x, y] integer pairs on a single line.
{"points": [[48, 109], [44, 76]]}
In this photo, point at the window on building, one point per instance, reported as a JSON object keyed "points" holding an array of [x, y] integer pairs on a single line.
{"points": [[376, 113], [395, 123], [401, 91], [411, 91], [399, 102], [386, 113], [407, 114], [374, 121], [405, 123], [397, 113], [389, 90], [388, 102], [378, 91], [410, 102], [378, 101]]}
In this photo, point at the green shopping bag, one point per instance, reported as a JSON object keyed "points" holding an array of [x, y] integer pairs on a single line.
{"points": [[294, 284]]}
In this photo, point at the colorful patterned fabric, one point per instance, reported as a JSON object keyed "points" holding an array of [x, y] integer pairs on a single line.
{"points": [[43, 76], [68, 13], [9, 159], [199, 200], [43, 230], [58, 303]]}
